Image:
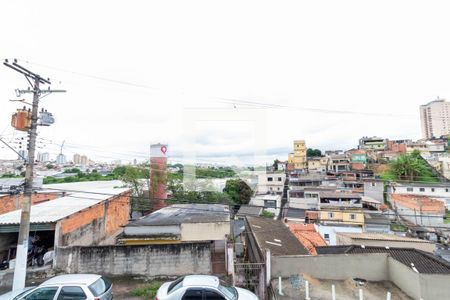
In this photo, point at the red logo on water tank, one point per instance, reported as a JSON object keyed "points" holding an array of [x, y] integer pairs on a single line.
{"points": [[164, 149]]}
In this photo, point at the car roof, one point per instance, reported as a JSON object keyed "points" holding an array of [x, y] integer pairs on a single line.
{"points": [[83, 279], [201, 280]]}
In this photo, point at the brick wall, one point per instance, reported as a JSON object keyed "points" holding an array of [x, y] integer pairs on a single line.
{"points": [[8, 203], [146, 260], [96, 223]]}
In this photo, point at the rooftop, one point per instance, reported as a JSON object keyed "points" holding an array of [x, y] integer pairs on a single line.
{"points": [[248, 210], [420, 203], [424, 262], [376, 218], [308, 236], [381, 237], [185, 213], [339, 195], [275, 235], [57, 209]]}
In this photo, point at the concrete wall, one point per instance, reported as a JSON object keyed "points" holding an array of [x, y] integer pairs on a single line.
{"points": [[369, 266], [205, 231], [145, 260], [374, 189], [333, 267], [10, 203], [332, 230], [404, 277], [434, 286], [94, 224]]}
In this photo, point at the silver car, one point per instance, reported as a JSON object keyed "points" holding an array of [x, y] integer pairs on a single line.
{"points": [[201, 287], [73, 287]]}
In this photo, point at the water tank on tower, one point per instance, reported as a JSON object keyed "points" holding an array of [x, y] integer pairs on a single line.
{"points": [[158, 175]]}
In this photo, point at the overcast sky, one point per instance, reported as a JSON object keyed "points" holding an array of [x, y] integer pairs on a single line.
{"points": [[139, 72]]}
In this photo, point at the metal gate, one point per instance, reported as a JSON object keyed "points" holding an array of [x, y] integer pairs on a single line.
{"points": [[250, 276]]}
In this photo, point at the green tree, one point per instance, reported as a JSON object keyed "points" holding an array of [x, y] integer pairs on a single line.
{"points": [[131, 176], [313, 152], [238, 190], [411, 167]]}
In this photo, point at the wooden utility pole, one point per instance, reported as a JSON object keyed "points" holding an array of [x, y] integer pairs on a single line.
{"points": [[24, 229]]}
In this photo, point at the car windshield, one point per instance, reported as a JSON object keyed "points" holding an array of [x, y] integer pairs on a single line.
{"points": [[26, 290], [228, 290], [100, 286]]}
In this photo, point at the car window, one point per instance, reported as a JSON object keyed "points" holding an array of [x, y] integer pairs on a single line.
{"points": [[228, 290], [72, 293], [100, 286], [211, 295], [193, 294], [44, 293], [175, 285]]}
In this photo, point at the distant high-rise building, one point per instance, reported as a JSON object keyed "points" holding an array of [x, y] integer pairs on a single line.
{"points": [[61, 159], [435, 119], [23, 154], [43, 157], [83, 160], [297, 159], [76, 159]]}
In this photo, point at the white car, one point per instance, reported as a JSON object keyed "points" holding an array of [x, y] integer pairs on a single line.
{"points": [[73, 287], [201, 287]]}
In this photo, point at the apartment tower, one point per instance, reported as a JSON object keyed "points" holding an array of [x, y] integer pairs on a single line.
{"points": [[434, 118]]}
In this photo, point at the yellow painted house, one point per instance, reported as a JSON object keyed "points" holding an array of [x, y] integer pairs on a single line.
{"points": [[350, 217]]}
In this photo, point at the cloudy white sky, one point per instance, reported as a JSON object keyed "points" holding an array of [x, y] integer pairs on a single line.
{"points": [[138, 72]]}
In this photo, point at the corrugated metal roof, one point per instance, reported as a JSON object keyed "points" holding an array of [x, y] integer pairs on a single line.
{"points": [[54, 210], [424, 262], [381, 237]]}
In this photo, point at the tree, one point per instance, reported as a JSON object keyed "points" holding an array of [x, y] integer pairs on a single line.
{"points": [[412, 167], [238, 190], [131, 177], [313, 152]]}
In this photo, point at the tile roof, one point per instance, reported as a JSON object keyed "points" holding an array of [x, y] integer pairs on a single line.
{"points": [[420, 203], [308, 236], [274, 235], [424, 262]]}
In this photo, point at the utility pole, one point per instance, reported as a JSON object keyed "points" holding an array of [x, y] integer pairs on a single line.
{"points": [[24, 229]]}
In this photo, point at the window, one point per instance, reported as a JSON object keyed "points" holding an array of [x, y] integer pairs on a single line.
{"points": [[175, 285], [211, 295], [270, 204], [446, 190], [193, 294], [373, 184], [279, 178], [326, 236], [278, 189], [422, 189], [410, 189], [71, 293], [100, 286], [432, 189], [271, 188], [269, 178], [331, 215], [352, 217], [45, 293]]}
